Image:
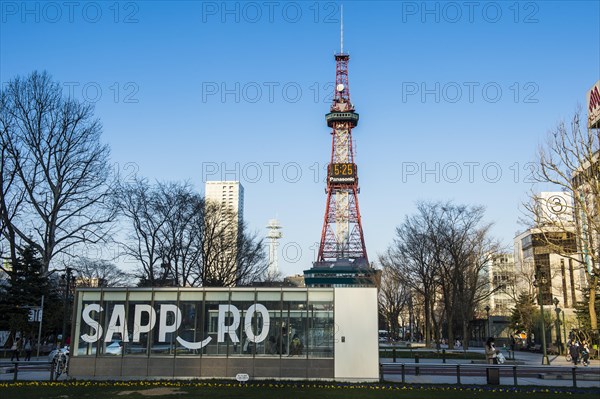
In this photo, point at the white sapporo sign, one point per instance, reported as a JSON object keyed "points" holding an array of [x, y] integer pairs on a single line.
{"points": [[118, 324]]}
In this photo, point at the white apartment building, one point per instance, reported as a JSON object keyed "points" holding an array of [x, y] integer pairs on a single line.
{"points": [[226, 193], [224, 263]]}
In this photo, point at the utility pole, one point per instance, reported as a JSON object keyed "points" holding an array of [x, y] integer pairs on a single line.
{"points": [[40, 327], [545, 360]]}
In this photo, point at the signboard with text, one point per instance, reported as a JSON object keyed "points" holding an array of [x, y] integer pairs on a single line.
{"points": [[35, 314], [593, 106]]}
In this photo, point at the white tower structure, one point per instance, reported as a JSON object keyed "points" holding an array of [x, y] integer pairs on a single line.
{"points": [[273, 235]]}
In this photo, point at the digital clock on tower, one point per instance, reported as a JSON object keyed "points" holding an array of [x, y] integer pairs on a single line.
{"points": [[342, 173]]}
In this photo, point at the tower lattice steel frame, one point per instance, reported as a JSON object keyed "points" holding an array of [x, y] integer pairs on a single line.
{"points": [[342, 234]]}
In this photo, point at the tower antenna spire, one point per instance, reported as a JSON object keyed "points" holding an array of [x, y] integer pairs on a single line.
{"points": [[341, 29]]}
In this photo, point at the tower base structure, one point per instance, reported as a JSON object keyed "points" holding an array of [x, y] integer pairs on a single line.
{"points": [[342, 273]]}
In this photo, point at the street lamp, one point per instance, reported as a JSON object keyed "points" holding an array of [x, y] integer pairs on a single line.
{"points": [[487, 311], [558, 337], [564, 327], [545, 360], [67, 279]]}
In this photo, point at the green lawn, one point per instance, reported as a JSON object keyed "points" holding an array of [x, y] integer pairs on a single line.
{"points": [[269, 390]]}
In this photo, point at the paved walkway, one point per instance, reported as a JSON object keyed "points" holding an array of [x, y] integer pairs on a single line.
{"points": [[521, 358]]}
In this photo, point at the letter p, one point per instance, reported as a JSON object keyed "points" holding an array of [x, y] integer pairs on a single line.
{"points": [[409, 89], [209, 89], [209, 8]]}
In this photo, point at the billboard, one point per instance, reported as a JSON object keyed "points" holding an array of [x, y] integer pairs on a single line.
{"points": [[554, 208], [593, 106]]}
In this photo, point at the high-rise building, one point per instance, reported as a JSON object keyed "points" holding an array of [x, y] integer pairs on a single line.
{"points": [[228, 194], [223, 229]]}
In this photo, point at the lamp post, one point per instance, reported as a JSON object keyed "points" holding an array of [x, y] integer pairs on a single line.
{"points": [[545, 360], [410, 318], [487, 311], [67, 281], [564, 328], [557, 323]]}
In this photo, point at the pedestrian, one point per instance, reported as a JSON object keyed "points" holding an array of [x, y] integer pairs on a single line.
{"points": [[574, 351], [491, 352], [16, 348], [27, 348], [296, 346], [272, 345], [585, 354]]}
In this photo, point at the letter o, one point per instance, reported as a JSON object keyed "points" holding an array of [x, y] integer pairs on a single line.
{"points": [[495, 166], [285, 250], [85, 13], [248, 323]]}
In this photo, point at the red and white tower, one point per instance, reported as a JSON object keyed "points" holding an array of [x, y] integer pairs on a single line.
{"points": [[342, 236]]}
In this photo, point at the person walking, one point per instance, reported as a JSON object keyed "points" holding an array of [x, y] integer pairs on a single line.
{"points": [[16, 348], [296, 346], [585, 353], [491, 352], [27, 348], [574, 351]]}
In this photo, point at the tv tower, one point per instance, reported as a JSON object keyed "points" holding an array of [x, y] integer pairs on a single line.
{"points": [[342, 240], [273, 235]]}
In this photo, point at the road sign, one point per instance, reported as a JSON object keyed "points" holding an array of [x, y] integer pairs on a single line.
{"points": [[35, 314]]}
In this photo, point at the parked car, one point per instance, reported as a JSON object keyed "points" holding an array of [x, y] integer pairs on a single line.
{"points": [[383, 336], [115, 348]]}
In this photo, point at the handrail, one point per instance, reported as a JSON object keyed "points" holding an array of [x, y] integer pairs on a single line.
{"points": [[17, 363], [418, 367]]}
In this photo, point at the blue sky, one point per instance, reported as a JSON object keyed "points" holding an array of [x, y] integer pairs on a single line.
{"points": [[454, 97]]}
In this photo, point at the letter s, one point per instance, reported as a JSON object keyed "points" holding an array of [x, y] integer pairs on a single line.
{"points": [[95, 336]]}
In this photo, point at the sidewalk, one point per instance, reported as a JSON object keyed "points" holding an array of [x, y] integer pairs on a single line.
{"points": [[522, 358]]}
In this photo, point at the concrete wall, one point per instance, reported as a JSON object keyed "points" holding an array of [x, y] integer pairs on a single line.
{"points": [[200, 367]]}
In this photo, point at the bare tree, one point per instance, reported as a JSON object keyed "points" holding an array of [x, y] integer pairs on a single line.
{"points": [[230, 255], [138, 203], [11, 196], [180, 240], [55, 172], [443, 252], [412, 258], [181, 233], [570, 160], [467, 249], [393, 298], [99, 273]]}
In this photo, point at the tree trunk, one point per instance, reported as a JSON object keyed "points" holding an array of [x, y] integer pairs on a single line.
{"points": [[466, 335], [592, 303]]}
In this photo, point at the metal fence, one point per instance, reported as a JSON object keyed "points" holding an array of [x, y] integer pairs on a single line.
{"points": [[479, 370], [26, 366]]}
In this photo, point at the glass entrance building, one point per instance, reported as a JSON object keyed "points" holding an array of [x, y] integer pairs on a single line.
{"points": [[291, 333]]}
